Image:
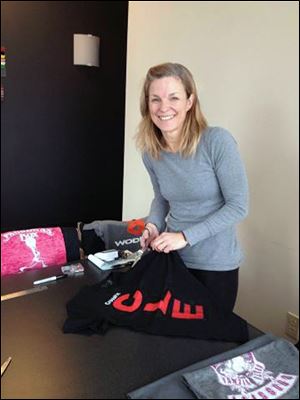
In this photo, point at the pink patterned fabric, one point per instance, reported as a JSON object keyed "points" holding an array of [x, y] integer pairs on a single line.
{"points": [[31, 248]]}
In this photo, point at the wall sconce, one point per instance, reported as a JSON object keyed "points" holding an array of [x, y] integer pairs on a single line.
{"points": [[86, 50]]}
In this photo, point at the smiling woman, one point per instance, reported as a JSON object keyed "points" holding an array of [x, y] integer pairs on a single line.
{"points": [[170, 94], [168, 106], [199, 182]]}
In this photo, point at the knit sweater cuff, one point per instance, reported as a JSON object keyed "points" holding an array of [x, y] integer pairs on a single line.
{"points": [[196, 233], [161, 226]]}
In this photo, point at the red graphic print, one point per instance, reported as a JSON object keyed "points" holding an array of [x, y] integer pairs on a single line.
{"points": [[137, 301], [136, 227], [161, 305]]}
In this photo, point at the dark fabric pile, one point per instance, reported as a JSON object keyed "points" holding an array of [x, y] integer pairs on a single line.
{"points": [[158, 296]]}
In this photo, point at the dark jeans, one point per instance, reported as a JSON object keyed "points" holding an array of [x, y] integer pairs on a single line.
{"points": [[222, 284]]}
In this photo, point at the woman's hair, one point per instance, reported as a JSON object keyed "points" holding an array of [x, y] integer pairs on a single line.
{"points": [[149, 137]]}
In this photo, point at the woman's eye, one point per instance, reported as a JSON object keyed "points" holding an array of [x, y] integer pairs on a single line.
{"points": [[174, 98], [154, 100]]}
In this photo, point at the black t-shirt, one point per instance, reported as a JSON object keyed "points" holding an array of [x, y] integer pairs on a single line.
{"points": [[158, 296]]}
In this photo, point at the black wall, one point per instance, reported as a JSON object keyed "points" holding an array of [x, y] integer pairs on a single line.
{"points": [[62, 126]]}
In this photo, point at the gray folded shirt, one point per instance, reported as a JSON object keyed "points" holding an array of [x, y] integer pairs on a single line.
{"points": [[115, 234], [172, 386], [267, 372]]}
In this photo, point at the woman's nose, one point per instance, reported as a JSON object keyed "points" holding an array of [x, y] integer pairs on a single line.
{"points": [[164, 105]]}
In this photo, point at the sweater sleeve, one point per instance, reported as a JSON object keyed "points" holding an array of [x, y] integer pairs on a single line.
{"points": [[160, 206], [231, 175]]}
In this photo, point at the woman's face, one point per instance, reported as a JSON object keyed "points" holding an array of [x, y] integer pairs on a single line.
{"points": [[168, 105]]}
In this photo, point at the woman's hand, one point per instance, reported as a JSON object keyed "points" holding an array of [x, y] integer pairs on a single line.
{"points": [[169, 241], [150, 233]]}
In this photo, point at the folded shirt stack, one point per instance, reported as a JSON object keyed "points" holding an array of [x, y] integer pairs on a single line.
{"points": [[263, 368]]}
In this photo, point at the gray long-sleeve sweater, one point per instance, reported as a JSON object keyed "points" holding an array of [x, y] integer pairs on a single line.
{"points": [[204, 197]]}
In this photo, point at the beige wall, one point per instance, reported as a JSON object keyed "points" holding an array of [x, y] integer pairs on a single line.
{"points": [[244, 58]]}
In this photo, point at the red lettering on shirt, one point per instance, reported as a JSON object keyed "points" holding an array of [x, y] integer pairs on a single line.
{"points": [[160, 305], [137, 301], [186, 314]]}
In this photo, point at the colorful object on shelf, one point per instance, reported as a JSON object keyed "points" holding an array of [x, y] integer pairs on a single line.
{"points": [[3, 63]]}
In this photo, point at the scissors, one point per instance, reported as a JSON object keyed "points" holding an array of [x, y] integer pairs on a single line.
{"points": [[139, 255], [5, 365]]}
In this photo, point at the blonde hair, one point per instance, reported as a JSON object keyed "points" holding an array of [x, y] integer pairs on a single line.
{"points": [[149, 137]]}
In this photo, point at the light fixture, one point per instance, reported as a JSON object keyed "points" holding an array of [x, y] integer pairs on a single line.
{"points": [[86, 50]]}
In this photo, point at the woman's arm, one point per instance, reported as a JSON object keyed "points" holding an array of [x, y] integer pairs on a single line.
{"points": [[231, 176], [160, 206]]}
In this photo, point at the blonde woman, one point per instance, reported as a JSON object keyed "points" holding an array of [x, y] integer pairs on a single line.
{"points": [[199, 182]]}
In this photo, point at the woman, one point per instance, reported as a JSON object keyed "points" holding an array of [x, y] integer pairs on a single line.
{"points": [[199, 182]]}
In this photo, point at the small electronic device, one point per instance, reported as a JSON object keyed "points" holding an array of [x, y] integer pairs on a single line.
{"points": [[73, 269]]}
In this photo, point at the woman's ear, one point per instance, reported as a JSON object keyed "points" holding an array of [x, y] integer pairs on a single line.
{"points": [[190, 102]]}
